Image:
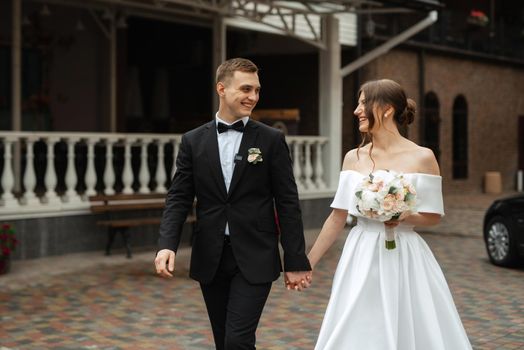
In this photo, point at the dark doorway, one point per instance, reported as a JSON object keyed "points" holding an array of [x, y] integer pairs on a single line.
{"points": [[168, 80], [460, 138], [521, 142], [431, 132]]}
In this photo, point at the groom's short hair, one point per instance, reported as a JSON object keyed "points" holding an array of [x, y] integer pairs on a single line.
{"points": [[226, 70]]}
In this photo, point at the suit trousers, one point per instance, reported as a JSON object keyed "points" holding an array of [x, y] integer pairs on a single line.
{"points": [[233, 304]]}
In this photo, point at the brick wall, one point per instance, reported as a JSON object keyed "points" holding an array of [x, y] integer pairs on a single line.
{"points": [[495, 100]]}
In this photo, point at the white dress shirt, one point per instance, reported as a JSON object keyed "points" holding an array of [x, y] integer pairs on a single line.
{"points": [[228, 145]]}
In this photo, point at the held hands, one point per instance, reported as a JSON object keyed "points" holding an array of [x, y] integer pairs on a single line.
{"points": [[298, 280], [165, 263]]}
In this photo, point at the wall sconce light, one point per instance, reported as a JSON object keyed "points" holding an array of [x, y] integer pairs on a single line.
{"points": [[80, 26], [122, 22], [45, 11], [107, 15], [25, 21]]}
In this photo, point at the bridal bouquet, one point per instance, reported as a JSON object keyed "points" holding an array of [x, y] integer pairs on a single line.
{"points": [[385, 195]]}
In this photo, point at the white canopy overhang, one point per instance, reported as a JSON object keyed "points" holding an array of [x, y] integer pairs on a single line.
{"points": [[314, 21]]}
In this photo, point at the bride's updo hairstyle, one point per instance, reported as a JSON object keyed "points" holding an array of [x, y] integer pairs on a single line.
{"points": [[384, 92], [378, 95]]}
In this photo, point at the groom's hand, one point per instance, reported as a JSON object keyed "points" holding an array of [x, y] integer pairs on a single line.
{"points": [[165, 263], [297, 280]]}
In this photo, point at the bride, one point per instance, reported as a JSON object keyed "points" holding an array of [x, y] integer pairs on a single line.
{"points": [[387, 299]]}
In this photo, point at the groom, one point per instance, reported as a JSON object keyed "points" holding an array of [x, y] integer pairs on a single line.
{"points": [[239, 170]]}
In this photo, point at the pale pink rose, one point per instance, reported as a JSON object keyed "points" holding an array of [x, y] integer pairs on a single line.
{"points": [[399, 206], [389, 202], [411, 189], [400, 195], [252, 157], [376, 186]]}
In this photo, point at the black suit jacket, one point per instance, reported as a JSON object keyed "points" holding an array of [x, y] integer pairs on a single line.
{"points": [[248, 207]]}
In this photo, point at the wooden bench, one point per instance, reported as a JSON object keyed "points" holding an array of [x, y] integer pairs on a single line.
{"points": [[117, 203]]}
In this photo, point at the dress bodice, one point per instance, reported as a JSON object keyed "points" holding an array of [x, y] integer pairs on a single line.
{"points": [[428, 187]]}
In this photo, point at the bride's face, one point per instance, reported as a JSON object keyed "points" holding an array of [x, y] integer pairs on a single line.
{"points": [[360, 114]]}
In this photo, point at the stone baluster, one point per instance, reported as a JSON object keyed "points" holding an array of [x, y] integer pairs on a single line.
{"points": [[175, 154], [127, 174], [143, 175], [308, 167], [90, 177], [319, 167], [30, 198], [71, 178], [50, 196], [109, 171], [160, 175], [297, 168], [8, 180]]}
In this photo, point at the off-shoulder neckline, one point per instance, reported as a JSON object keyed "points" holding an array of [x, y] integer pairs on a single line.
{"points": [[358, 172]]}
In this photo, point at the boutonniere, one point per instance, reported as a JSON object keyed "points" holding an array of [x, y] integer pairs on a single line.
{"points": [[254, 155]]}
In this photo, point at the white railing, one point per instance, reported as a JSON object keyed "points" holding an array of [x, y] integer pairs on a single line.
{"points": [[53, 173]]}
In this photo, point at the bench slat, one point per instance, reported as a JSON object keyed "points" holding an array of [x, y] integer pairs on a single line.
{"points": [[121, 207], [137, 222], [121, 196]]}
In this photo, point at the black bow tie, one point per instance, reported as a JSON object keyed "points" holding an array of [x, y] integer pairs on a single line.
{"points": [[238, 126]]}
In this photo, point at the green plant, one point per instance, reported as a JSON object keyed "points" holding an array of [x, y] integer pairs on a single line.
{"points": [[8, 240]]}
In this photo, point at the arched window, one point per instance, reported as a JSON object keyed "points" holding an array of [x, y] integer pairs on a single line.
{"points": [[460, 138], [431, 123]]}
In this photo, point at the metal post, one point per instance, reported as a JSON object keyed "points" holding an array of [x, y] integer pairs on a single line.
{"points": [[112, 75], [16, 69], [16, 87], [219, 52]]}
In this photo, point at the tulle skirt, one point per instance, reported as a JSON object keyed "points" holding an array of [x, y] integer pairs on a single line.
{"points": [[389, 299]]}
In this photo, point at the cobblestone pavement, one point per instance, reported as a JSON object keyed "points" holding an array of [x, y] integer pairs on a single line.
{"points": [[111, 303], [89, 301], [465, 214]]}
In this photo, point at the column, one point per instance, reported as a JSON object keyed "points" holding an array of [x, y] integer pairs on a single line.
{"points": [[331, 101]]}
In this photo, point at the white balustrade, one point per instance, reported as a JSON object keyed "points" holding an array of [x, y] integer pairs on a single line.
{"points": [[308, 168], [127, 175], [8, 179], [175, 154], [90, 178], [306, 152], [160, 176], [29, 197], [109, 171], [50, 196], [143, 175], [319, 168], [71, 196], [297, 166]]}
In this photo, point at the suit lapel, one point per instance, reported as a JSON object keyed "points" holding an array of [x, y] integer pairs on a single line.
{"points": [[214, 157], [248, 141]]}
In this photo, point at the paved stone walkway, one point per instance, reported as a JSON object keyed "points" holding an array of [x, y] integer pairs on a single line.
{"points": [[465, 214], [89, 301], [98, 302]]}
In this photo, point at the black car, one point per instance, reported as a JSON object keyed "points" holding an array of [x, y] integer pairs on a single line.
{"points": [[504, 231]]}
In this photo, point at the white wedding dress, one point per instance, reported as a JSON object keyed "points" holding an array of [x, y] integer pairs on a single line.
{"points": [[390, 299]]}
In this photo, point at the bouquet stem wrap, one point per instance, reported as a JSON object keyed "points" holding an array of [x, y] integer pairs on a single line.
{"points": [[390, 238]]}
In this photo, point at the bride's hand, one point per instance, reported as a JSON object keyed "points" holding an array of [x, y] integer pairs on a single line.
{"points": [[394, 223], [391, 223]]}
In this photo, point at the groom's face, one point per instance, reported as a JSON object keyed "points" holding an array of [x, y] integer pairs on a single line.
{"points": [[239, 94]]}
